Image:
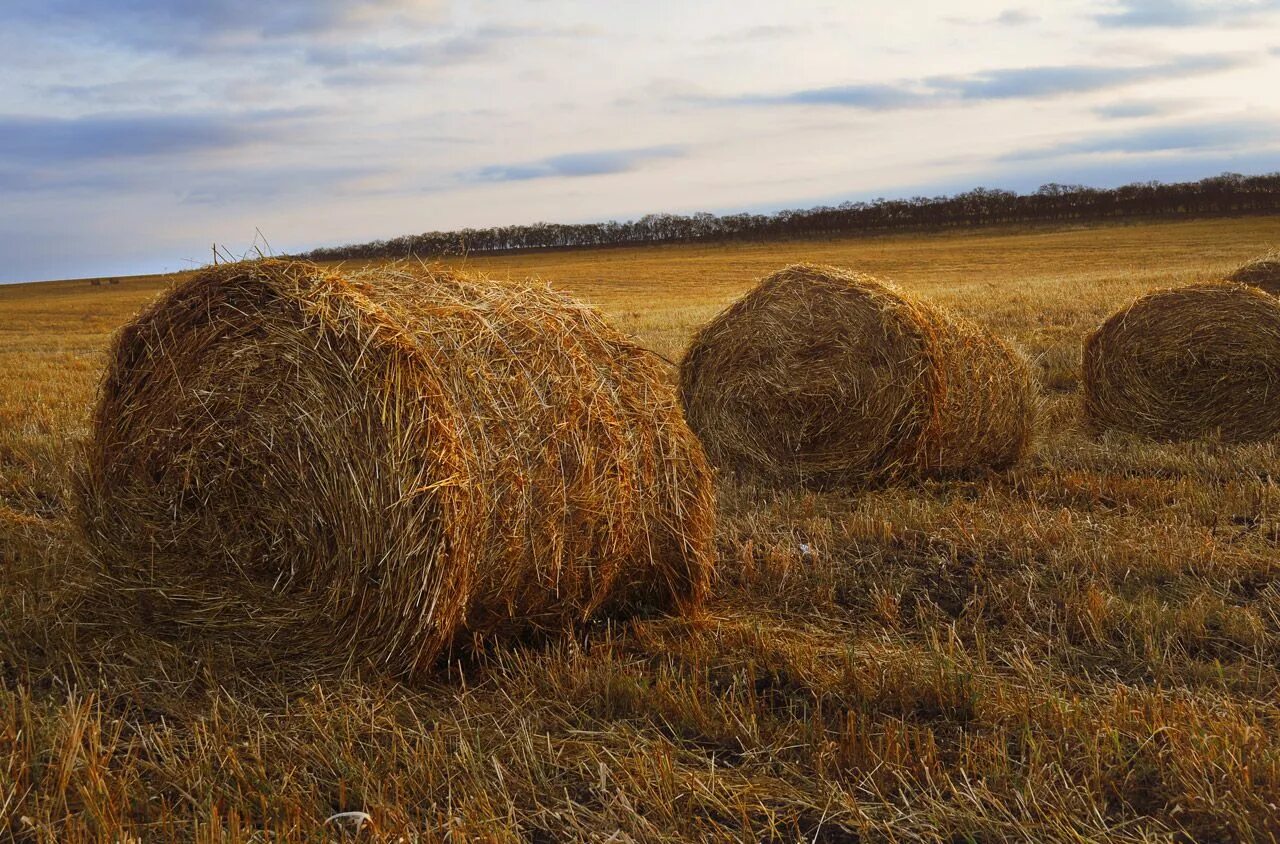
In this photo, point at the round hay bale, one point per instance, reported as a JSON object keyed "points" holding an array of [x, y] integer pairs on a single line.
{"points": [[828, 377], [1262, 273], [381, 466], [1188, 362]]}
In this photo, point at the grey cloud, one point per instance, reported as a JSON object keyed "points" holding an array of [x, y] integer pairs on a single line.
{"points": [[1016, 17], [179, 25], [98, 95], [768, 32], [1190, 137], [573, 165], [1030, 82], [101, 155], [999, 84], [1141, 108], [872, 97], [1009, 17], [56, 140], [362, 64], [441, 51], [347, 55], [228, 186], [50, 181], [190, 182], [1184, 13]]}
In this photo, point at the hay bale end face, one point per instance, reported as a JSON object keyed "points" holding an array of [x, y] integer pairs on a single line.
{"points": [[1189, 362], [1262, 273], [382, 466], [827, 377]]}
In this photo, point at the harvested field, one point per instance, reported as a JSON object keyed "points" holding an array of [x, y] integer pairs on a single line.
{"points": [[1083, 648]]}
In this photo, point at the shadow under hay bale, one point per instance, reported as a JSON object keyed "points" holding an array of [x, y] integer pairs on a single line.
{"points": [[828, 377], [1262, 273], [1188, 362], [383, 466]]}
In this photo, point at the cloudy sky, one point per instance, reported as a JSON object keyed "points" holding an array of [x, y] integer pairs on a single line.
{"points": [[135, 133]]}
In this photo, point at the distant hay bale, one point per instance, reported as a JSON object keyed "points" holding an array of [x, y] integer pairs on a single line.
{"points": [[1188, 362], [828, 377], [384, 465], [1262, 272]]}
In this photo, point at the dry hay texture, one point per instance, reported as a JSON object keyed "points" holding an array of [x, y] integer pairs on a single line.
{"points": [[825, 377], [1188, 362], [1262, 273], [391, 465]]}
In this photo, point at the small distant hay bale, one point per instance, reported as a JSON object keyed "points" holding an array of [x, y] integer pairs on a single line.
{"points": [[387, 466], [823, 376], [1188, 362], [1262, 272]]}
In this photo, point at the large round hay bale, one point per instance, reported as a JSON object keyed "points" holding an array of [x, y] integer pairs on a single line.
{"points": [[1188, 362], [1262, 273], [824, 376], [382, 466]]}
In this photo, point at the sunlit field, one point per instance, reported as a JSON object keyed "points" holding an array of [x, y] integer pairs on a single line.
{"points": [[1086, 647]]}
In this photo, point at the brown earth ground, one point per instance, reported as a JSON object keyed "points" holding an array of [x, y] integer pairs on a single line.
{"points": [[1084, 648]]}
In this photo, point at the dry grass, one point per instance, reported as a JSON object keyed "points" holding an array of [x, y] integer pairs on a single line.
{"points": [[385, 466], [1192, 361], [827, 377], [1085, 648]]}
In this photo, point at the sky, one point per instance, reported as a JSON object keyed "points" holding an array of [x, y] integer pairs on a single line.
{"points": [[134, 134]]}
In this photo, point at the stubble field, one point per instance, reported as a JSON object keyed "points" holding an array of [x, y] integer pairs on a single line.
{"points": [[1086, 647]]}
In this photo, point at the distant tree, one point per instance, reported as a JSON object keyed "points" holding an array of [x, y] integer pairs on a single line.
{"points": [[1228, 193]]}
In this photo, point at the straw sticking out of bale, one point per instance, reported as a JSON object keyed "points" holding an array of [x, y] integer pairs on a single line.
{"points": [[383, 466], [824, 376], [1188, 362], [1262, 273]]}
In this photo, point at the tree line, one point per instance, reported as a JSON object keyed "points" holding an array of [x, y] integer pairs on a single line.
{"points": [[1229, 193]]}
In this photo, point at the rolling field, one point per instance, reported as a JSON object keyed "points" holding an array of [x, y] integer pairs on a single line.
{"points": [[1084, 648]]}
